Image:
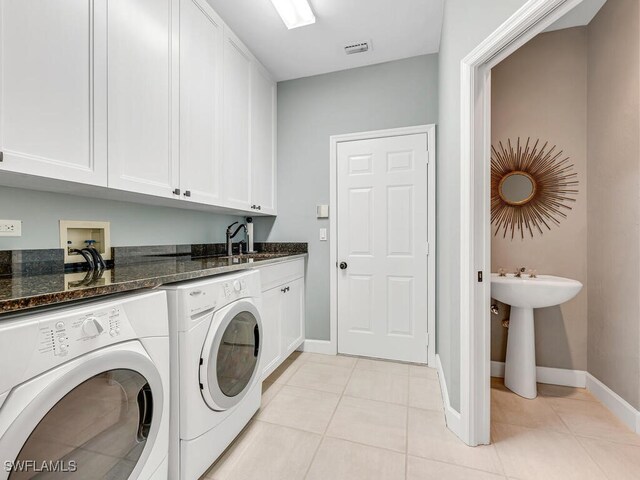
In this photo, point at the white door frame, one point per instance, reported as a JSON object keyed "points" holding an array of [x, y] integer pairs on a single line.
{"points": [[475, 216], [331, 346]]}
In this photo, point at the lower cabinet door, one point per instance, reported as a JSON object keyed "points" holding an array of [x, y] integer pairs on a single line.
{"points": [[272, 301], [292, 317]]}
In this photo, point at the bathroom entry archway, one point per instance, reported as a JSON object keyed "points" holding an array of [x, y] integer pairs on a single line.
{"points": [[473, 426]]}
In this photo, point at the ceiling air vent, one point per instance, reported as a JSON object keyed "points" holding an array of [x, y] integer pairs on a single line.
{"points": [[360, 47]]}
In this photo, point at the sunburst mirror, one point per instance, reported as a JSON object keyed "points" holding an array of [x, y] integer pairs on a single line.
{"points": [[532, 187]]}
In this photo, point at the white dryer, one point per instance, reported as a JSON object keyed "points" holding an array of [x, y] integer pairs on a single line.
{"points": [[84, 391], [216, 330]]}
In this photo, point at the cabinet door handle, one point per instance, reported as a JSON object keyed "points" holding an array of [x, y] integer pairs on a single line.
{"points": [[176, 191], [285, 289], [259, 207], [1, 156], [187, 193]]}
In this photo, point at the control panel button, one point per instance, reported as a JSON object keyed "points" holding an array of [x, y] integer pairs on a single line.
{"points": [[59, 325], [113, 333], [236, 286], [243, 284]]}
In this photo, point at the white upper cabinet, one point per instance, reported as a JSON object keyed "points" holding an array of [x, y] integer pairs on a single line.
{"points": [[142, 96], [152, 97], [53, 89], [201, 37], [263, 141], [237, 124]]}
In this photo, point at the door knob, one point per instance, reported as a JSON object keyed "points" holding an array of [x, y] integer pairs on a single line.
{"points": [[343, 265]]}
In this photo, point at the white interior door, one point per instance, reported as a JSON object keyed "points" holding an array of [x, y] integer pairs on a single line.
{"points": [[382, 232]]}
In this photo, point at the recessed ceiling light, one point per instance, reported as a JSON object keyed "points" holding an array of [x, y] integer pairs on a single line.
{"points": [[294, 13]]}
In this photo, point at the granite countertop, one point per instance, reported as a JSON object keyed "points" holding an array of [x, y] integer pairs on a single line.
{"points": [[23, 290]]}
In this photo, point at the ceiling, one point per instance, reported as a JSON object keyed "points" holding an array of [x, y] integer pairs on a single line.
{"points": [[579, 16], [396, 29]]}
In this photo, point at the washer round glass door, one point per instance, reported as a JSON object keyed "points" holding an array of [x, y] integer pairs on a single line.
{"points": [[99, 429], [231, 355]]}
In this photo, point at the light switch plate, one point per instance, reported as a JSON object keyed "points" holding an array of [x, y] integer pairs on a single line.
{"points": [[323, 234], [322, 211], [10, 228]]}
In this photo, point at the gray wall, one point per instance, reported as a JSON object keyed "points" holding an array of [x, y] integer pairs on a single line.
{"points": [[614, 208], [131, 224], [541, 92], [388, 95], [466, 24]]}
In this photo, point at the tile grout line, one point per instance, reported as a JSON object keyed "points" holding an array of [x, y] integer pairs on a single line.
{"points": [[323, 436], [406, 432]]}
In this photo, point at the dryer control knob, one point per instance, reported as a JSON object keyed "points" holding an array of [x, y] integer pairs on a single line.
{"points": [[236, 286], [92, 327]]}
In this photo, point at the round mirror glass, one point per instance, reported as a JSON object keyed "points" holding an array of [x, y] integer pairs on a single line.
{"points": [[517, 188]]}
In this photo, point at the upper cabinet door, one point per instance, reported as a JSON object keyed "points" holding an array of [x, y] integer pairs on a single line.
{"points": [[201, 34], [143, 95], [263, 141], [237, 120], [53, 89]]}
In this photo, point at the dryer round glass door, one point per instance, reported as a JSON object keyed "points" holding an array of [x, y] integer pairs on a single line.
{"points": [[231, 356], [97, 430]]}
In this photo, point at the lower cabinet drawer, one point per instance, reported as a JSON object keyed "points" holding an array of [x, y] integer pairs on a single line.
{"points": [[274, 275]]}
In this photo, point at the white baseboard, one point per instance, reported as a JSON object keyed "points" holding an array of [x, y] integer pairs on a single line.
{"points": [[614, 402], [552, 376], [319, 346], [452, 417]]}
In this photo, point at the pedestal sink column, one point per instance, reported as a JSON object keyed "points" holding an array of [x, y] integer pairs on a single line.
{"points": [[520, 367]]}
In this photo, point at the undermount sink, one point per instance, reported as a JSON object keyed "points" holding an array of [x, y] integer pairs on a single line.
{"points": [[538, 292], [524, 294]]}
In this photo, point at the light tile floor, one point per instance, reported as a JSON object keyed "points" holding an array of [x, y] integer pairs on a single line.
{"points": [[344, 418]]}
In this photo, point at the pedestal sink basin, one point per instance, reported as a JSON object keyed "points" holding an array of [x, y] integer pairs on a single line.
{"points": [[524, 294]]}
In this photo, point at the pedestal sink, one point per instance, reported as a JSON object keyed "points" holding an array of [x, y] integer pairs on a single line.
{"points": [[524, 294]]}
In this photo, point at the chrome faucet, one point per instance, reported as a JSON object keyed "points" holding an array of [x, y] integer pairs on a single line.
{"points": [[230, 236], [519, 272]]}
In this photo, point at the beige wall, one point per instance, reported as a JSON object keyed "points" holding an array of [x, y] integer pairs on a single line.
{"points": [[614, 203], [540, 92]]}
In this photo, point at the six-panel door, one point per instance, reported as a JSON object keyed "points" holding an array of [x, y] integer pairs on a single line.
{"points": [[382, 246]]}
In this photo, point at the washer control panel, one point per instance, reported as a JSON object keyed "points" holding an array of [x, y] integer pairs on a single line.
{"points": [[235, 289], [80, 333]]}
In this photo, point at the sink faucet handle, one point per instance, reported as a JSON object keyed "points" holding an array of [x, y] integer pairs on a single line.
{"points": [[533, 273], [502, 272], [520, 271]]}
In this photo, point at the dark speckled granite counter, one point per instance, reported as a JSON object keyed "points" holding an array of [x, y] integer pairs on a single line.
{"points": [[22, 289]]}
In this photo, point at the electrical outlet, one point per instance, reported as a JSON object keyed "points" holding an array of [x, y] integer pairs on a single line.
{"points": [[10, 228]]}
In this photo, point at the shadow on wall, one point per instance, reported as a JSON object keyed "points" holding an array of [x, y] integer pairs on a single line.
{"points": [[545, 319]]}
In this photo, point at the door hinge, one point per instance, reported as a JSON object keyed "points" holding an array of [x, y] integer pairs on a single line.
{"points": [[480, 276], [1, 156], [428, 249], [427, 340]]}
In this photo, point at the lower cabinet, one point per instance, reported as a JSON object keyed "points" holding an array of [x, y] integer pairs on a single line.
{"points": [[282, 319]]}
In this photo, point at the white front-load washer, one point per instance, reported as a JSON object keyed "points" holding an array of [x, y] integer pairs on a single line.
{"points": [[84, 390], [215, 334]]}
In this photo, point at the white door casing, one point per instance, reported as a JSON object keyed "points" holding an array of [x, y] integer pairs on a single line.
{"points": [[382, 233]]}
